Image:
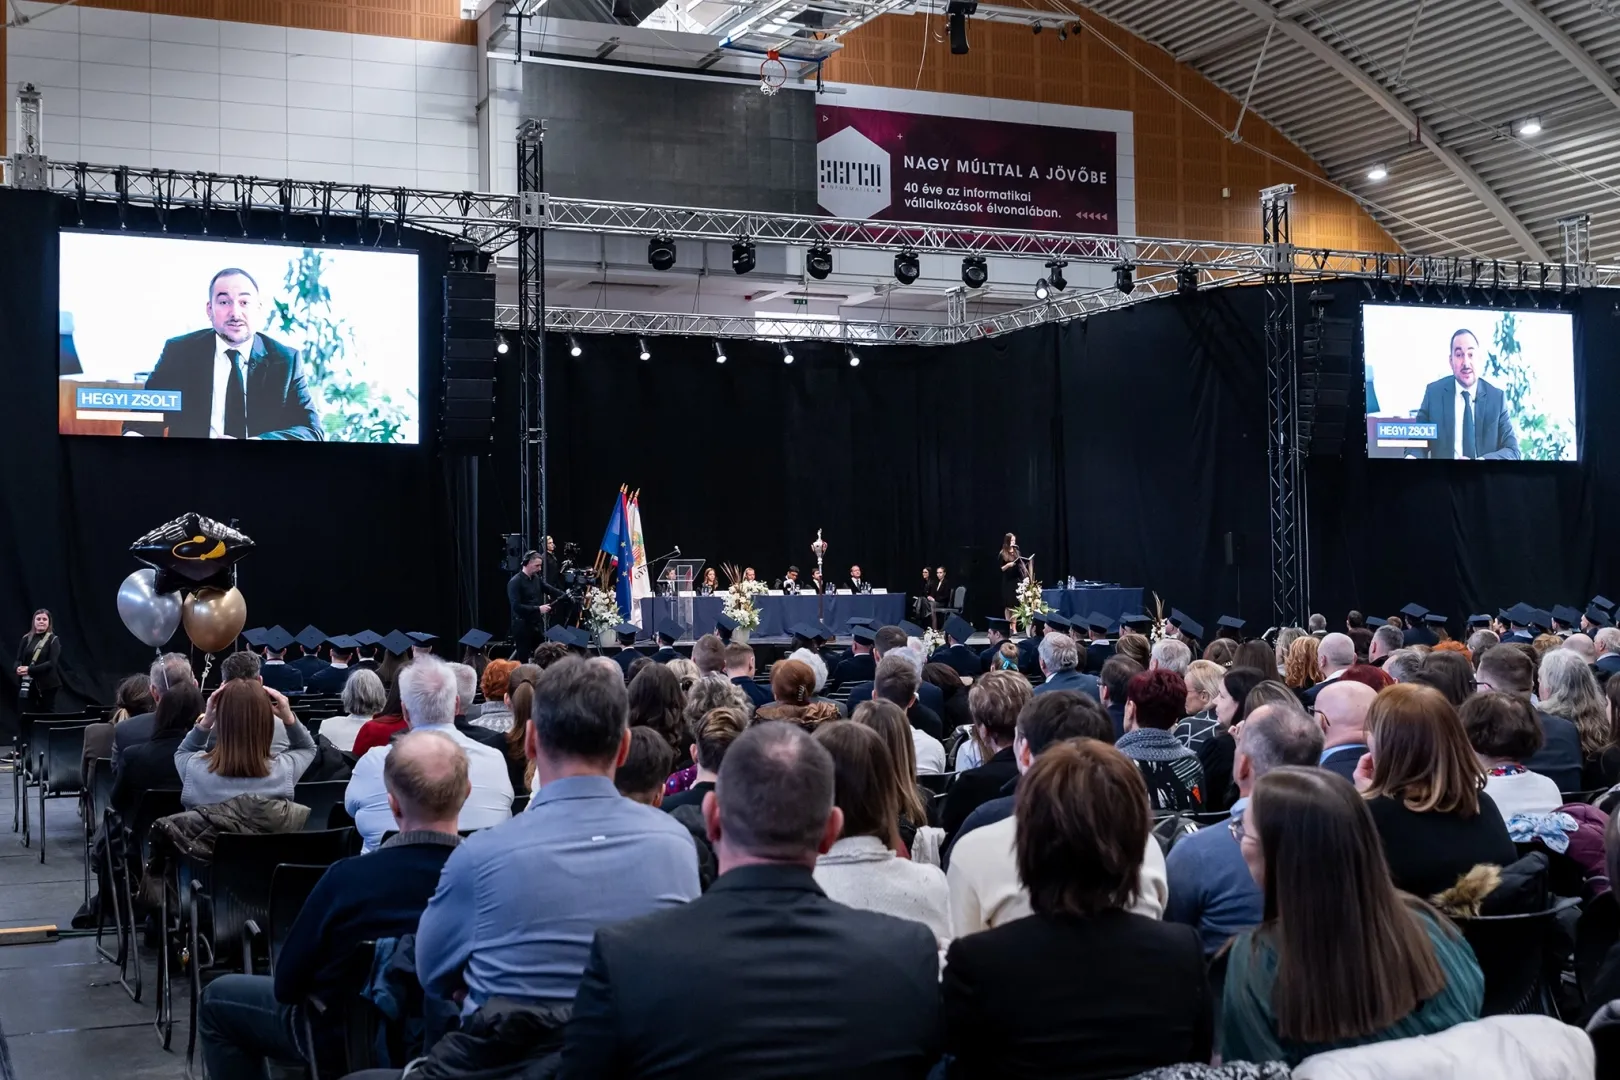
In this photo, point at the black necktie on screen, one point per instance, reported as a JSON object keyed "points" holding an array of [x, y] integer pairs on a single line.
{"points": [[236, 398], [1468, 426]]}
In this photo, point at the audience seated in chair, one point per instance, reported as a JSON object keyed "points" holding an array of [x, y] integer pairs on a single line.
{"points": [[710, 735], [640, 777], [806, 986], [1341, 708], [995, 700], [245, 1020], [1341, 958], [885, 718], [363, 698], [1510, 670], [1014, 1002], [1154, 701], [231, 751], [168, 670], [1210, 885], [1504, 732], [427, 691]]}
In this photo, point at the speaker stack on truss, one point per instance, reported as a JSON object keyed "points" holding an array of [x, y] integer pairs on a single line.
{"points": [[467, 418]]}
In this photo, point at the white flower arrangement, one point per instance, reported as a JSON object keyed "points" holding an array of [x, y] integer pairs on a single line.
{"points": [[602, 611], [739, 599], [932, 639], [1030, 602]]}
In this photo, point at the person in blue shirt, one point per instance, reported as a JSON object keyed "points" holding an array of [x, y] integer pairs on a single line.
{"points": [[245, 1020], [1211, 888], [518, 904]]}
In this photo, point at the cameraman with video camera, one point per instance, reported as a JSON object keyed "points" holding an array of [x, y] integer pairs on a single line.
{"points": [[526, 595]]}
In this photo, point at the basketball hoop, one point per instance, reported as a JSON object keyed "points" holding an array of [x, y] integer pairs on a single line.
{"points": [[772, 73]]}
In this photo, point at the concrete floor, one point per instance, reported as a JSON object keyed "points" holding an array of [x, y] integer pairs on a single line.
{"points": [[63, 1015]]}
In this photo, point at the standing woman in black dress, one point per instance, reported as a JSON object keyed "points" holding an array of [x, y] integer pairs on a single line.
{"points": [[1012, 572], [37, 658]]}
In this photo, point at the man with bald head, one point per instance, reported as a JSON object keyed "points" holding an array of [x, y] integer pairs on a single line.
{"points": [[1341, 710], [1582, 645], [1210, 885], [1336, 654], [246, 1020]]}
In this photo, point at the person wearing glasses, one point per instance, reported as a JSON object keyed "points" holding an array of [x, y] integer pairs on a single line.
{"points": [[1341, 711], [1211, 889]]}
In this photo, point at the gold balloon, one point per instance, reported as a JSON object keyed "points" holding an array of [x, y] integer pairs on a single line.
{"points": [[213, 618]]}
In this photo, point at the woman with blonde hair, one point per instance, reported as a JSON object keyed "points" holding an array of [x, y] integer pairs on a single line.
{"points": [[1425, 788], [1302, 669], [685, 671], [707, 692], [889, 721], [1285, 639], [1566, 687]]}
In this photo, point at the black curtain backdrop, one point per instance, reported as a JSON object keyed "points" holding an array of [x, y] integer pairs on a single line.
{"points": [[1123, 448], [348, 536]]}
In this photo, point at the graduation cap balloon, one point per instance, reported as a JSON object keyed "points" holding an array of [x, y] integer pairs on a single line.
{"points": [[192, 551]]}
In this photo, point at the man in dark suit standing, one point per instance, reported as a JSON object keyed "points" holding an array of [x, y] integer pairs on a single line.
{"points": [[1470, 412], [956, 652], [809, 987], [235, 383]]}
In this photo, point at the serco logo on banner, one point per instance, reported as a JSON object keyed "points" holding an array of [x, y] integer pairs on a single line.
{"points": [[852, 175]]}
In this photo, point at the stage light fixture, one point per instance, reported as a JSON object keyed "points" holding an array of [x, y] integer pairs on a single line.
{"points": [[1054, 275], [645, 355], [573, 346], [974, 272], [1123, 281], [661, 252], [957, 12], [1063, 33], [906, 267], [742, 255], [854, 360], [787, 355], [719, 353], [1377, 172], [501, 345], [1042, 289], [818, 262], [1530, 125], [1037, 27], [1186, 279]]}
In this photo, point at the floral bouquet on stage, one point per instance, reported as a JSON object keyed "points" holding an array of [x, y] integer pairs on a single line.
{"points": [[1159, 620], [739, 599], [932, 639], [602, 611], [1030, 603]]}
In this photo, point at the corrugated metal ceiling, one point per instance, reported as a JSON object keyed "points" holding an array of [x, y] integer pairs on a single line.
{"points": [[1463, 73]]}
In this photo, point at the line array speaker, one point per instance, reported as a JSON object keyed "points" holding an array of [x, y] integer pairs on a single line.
{"points": [[467, 400]]}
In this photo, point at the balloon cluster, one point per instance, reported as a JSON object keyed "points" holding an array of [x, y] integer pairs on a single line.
{"points": [[190, 581]]}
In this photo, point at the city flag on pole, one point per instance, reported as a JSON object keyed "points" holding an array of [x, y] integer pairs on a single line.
{"points": [[640, 579]]}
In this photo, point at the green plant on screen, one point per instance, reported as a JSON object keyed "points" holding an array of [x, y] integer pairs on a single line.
{"points": [[1541, 437]]}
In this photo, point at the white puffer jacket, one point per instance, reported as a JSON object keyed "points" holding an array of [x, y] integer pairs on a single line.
{"points": [[1496, 1048]]}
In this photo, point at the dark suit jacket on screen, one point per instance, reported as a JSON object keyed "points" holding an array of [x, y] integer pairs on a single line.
{"points": [[807, 987], [278, 405], [1493, 429]]}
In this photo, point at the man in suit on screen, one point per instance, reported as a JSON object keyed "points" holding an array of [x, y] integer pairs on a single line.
{"points": [[235, 382], [1471, 413]]}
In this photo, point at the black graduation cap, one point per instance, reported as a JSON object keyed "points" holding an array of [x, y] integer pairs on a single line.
{"points": [[669, 631], [1138, 621], [345, 643], [1540, 619], [1096, 620], [803, 633], [1477, 621], [866, 635], [473, 639], [560, 634], [1040, 618], [1415, 611], [397, 643], [422, 637], [311, 638], [825, 633], [368, 637], [1605, 603], [1230, 622], [1185, 623], [998, 623], [1434, 618], [627, 629], [852, 623], [255, 637], [724, 625], [1059, 620], [958, 628], [911, 629], [1566, 614], [1518, 614], [578, 638], [277, 639], [1597, 616], [1375, 621]]}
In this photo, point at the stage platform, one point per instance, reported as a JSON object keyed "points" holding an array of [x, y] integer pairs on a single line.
{"points": [[697, 614]]}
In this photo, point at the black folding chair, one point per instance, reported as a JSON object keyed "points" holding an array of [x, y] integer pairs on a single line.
{"points": [[59, 775], [290, 886], [936, 783], [94, 800], [128, 838], [1512, 951], [520, 803], [23, 769], [320, 796], [233, 891]]}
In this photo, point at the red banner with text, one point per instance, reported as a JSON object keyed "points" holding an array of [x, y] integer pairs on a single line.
{"points": [[948, 170]]}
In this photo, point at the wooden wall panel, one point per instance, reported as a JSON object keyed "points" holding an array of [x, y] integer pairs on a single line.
{"points": [[1191, 180]]}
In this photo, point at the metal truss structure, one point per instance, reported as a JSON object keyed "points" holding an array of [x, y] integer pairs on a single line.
{"points": [[1290, 550], [530, 322]]}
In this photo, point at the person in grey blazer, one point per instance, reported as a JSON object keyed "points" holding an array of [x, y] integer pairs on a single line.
{"points": [[1451, 402]]}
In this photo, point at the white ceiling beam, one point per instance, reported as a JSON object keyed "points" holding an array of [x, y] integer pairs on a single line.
{"points": [[1386, 99], [1227, 42], [1566, 46]]}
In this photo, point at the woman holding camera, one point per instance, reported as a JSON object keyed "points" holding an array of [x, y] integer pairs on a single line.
{"points": [[37, 659]]}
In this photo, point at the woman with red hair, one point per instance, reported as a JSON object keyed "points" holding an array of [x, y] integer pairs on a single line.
{"points": [[1154, 701]]}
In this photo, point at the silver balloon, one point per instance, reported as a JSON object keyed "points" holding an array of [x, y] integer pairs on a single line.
{"points": [[152, 617]]}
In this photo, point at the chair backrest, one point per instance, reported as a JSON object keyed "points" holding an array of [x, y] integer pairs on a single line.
{"points": [[239, 876], [1511, 950], [59, 747], [937, 783], [520, 803], [100, 785], [290, 886], [959, 595], [150, 805], [320, 796]]}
